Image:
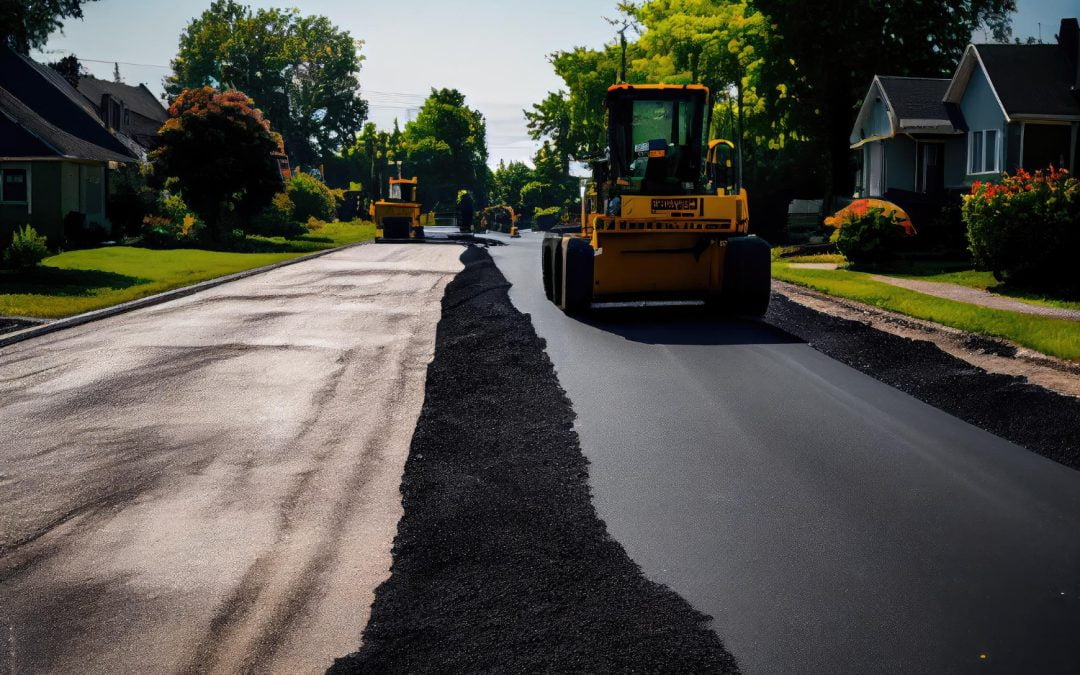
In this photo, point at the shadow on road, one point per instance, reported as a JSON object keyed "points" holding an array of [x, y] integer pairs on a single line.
{"points": [[685, 326]]}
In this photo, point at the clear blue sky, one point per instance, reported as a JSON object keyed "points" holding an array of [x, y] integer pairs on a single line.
{"points": [[495, 51]]}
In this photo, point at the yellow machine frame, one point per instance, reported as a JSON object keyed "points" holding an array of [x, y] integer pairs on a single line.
{"points": [[391, 213], [659, 246]]}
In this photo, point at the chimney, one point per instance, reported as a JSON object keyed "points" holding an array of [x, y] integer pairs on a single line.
{"points": [[1069, 39], [106, 108]]}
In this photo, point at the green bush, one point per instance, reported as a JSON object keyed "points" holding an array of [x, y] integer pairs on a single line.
{"points": [[311, 198], [27, 249], [175, 226], [869, 238], [278, 219], [131, 199], [1026, 229]]}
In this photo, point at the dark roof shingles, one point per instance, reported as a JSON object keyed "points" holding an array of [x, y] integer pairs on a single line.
{"points": [[138, 99], [59, 142], [57, 104], [917, 98], [1032, 79]]}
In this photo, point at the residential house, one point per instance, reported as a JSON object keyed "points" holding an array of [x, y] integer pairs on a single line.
{"points": [[1007, 106], [55, 151], [133, 113]]}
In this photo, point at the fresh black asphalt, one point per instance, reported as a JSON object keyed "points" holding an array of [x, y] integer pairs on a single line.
{"points": [[829, 522], [1038, 419], [500, 563]]}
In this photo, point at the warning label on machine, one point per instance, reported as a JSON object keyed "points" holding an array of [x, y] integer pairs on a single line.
{"points": [[660, 205]]}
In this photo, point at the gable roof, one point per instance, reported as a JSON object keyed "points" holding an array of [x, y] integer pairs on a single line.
{"points": [[39, 138], [137, 99], [40, 98], [1030, 81], [913, 104]]}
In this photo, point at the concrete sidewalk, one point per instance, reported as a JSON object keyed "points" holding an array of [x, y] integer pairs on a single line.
{"points": [[977, 296]]}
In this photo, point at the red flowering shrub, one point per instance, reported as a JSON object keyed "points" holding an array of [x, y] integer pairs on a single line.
{"points": [[220, 149], [1026, 229]]}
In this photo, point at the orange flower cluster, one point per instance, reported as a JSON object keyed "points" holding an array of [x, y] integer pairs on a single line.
{"points": [[1050, 181], [204, 101]]}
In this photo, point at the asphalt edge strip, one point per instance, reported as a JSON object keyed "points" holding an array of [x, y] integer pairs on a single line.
{"points": [[8, 339], [500, 562], [1038, 419]]}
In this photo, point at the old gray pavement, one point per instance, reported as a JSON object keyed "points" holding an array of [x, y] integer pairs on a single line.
{"points": [[212, 483]]}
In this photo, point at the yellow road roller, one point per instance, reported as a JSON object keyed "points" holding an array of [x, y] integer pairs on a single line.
{"points": [[664, 216], [397, 218]]}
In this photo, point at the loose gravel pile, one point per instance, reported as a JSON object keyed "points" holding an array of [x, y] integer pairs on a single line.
{"points": [[1040, 420], [500, 561]]}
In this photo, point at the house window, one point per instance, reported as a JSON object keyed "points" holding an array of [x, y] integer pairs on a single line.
{"points": [[14, 186], [984, 151]]}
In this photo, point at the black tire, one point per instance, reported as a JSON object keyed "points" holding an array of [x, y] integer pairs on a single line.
{"points": [[557, 263], [747, 276], [578, 276], [547, 265], [396, 227]]}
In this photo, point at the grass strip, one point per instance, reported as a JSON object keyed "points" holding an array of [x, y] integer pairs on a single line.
{"points": [[1057, 337], [81, 281]]}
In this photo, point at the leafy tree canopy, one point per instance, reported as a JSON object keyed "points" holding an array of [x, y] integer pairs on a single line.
{"points": [[27, 24], [446, 147], [219, 149], [826, 58], [302, 72]]}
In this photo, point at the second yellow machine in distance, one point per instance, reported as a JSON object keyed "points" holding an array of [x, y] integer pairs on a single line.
{"points": [[397, 218], [664, 216]]}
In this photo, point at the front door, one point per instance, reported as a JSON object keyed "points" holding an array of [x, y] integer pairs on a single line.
{"points": [[930, 168]]}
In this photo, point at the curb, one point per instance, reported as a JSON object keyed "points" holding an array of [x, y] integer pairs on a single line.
{"points": [[124, 307]]}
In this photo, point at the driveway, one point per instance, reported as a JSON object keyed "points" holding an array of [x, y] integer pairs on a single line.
{"points": [[212, 483]]}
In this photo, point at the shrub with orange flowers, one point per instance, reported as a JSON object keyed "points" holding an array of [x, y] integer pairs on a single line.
{"points": [[1026, 228], [219, 148]]}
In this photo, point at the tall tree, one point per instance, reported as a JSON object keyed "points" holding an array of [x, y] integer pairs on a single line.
{"points": [[70, 68], [26, 24], [219, 148], [446, 147], [507, 181], [827, 56], [550, 119], [301, 71]]}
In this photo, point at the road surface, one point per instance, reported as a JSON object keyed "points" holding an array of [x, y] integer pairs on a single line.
{"points": [[829, 523], [211, 484]]}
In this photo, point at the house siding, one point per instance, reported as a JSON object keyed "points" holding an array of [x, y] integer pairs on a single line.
{"points": [[877, 123], [981, 112], [900, 163], [955, 161]]}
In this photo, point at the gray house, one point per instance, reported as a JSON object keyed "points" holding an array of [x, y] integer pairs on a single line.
{"points": [[1006, 107], [908, 138], [56, 152]]}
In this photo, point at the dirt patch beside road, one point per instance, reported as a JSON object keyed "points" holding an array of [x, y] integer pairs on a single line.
{"points": [[500, 562]]}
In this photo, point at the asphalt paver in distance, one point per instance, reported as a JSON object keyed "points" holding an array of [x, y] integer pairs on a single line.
{"points": [[500, 562]]}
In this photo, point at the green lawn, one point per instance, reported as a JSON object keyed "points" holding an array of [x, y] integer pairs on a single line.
{"points": [[1057, 337], [80, 281]]}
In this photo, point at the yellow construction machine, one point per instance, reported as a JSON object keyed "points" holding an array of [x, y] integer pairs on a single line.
{"points": [[397, 218], [664, 216]]}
